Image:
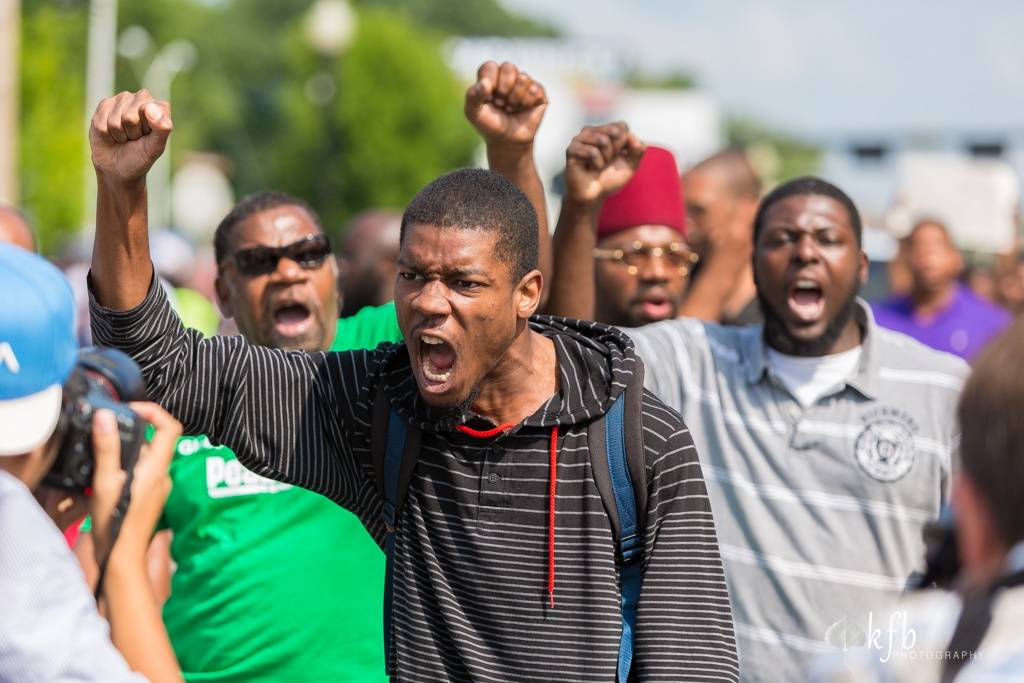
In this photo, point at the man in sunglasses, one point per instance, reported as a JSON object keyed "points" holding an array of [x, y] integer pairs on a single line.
{"points": [[246, 547], [642, 259]]}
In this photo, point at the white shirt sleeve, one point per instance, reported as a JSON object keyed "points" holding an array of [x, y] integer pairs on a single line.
{"points": [[49, 627]]}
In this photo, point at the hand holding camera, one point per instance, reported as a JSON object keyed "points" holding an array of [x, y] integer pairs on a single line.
{"points": [[149, 484]]}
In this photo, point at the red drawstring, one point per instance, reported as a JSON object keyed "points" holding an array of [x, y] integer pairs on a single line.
{"points": [[552, 489], [485, 434]]}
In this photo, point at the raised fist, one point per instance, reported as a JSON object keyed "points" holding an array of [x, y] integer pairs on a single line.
{"points": [[601, 160], [128, 134], [505, 105]]}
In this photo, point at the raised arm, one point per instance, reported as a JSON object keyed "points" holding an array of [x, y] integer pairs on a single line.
{"points": [[127, 135], [506, 107], [599, 161], [728, 256], [289, 416]]}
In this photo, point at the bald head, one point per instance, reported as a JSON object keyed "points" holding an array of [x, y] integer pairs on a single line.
{"points": [[733, 168], [714, 188], [368, 255], [14, 228]]}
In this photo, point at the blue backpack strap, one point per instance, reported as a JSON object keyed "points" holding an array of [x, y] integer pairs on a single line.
{"points": [[630, 537]]}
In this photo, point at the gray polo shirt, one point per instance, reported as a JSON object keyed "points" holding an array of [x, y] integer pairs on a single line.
{"points": [[819, 510]]}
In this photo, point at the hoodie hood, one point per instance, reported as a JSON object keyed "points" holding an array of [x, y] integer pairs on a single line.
{"points": [[596, 363]]}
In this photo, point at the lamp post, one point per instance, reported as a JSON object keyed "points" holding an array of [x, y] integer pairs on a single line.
{"points": [[99, 83], [135, 43], [171, 60]]}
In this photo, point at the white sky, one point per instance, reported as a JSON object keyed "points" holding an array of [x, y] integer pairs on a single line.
{"points": [[830, 66]]}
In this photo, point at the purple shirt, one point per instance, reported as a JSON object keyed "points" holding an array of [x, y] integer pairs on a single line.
{"points": [[963, 327]]}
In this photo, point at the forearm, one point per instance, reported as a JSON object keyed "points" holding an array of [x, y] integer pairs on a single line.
{"points": [[121, 265], [709, 293], [572, 284], [136, 627], [518, 166]]}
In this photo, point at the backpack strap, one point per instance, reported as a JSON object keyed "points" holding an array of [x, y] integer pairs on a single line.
{"points": [[617, 461], [396, 448]]}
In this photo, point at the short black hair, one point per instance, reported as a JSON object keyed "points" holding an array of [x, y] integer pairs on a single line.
{"points": [[250, 206], [807, 186], [477, 199]]}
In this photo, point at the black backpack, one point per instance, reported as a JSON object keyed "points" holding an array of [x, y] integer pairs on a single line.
{"points": [[617, 460]]}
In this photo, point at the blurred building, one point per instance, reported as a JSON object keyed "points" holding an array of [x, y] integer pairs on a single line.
{"points": [[970, 180]]}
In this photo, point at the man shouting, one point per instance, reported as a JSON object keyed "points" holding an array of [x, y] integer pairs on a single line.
{"points": [[504, 564]]}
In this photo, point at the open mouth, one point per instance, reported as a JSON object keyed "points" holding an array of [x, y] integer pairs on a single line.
{"points": [[292, 319], [656, 307], [437, 362], [806, 300]]}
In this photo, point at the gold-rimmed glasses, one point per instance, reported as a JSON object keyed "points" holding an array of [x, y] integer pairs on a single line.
{"points": [[639, 255]]}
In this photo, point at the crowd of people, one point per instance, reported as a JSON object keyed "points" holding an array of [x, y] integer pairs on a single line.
{"points": [[666, 441]]}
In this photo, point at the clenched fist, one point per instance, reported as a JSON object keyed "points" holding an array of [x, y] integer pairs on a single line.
{"points": [[601, 160], [128, 134], [505, 105]]}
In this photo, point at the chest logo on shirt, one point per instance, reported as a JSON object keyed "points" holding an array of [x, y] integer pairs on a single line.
{"points": [[885, 447]]}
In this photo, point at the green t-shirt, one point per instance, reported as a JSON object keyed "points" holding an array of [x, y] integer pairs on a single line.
{"points": [[273, 582]]}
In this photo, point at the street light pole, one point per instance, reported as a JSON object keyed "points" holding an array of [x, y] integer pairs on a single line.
{"points": [[171, 60], [99, 83]]}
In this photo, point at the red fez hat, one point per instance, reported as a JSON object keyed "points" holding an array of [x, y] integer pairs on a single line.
{"points": [[653, 196]]}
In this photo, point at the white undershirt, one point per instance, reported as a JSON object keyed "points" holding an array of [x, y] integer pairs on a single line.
{"points": [[810, 378]]}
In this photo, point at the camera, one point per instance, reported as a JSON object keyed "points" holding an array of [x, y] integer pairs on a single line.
{"points": [[102, 379]]}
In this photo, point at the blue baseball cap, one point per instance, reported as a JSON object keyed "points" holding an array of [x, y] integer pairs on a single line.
{"points": [[38, 349]]}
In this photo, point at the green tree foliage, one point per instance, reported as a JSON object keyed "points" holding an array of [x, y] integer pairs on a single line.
{"points": [[52, 151], [777, 156], [366, 127]]}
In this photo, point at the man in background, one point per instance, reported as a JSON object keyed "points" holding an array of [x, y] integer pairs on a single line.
{"points": [[249, 552], [940, 311], [367, 254], [641, 258], [721, 194], [826, 441]]}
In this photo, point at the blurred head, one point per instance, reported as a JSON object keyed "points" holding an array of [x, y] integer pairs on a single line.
{"points": [[715, 188], [808, 265], [986, 494], [934, 261], [367, 255], [276, 274], [642, 256], [467, 282], [38, 350], [15, 229]]}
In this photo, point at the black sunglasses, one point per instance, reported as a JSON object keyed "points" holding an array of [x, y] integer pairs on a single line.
{"points": [[309, 252]]}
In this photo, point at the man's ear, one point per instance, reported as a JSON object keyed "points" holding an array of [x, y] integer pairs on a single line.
{"points": [[528, 293], [223, 296], [863, 268]]}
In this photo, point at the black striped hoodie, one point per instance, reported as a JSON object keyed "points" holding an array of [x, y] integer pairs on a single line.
{"points": [[472, 548]]}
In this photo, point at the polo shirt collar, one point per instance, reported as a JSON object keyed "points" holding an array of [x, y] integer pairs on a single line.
{"points": [[865, 379]]}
